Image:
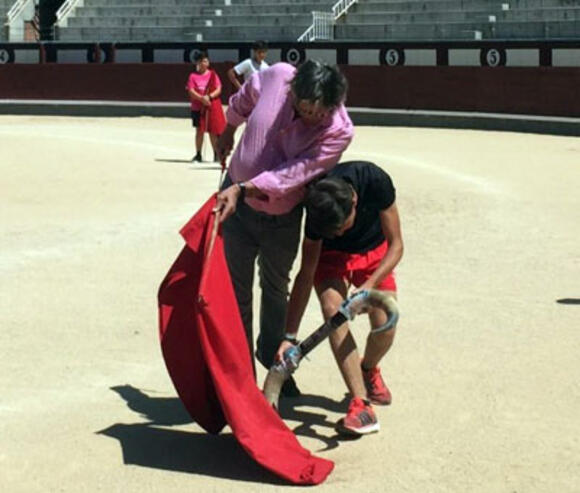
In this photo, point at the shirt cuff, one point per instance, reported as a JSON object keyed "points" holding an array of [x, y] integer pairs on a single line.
{"points": [[234, 118]]}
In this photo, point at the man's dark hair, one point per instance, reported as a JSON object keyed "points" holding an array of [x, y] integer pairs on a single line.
{"points": [[260, 46], [316, 81], [200, 55], [329, 202]]}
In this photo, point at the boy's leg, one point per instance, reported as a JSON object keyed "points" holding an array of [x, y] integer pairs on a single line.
{"points": [[376, 347], [360, 418], [198, 136], [331, 294], [378, 344]]}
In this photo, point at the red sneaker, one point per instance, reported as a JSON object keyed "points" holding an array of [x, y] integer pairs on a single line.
{"points": [[360, 419], [377, 390]]}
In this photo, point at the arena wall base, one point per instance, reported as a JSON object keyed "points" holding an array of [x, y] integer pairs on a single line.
{"points": [[360, 116]]}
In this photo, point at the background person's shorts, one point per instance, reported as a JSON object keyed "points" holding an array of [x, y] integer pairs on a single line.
{"points": [[195, 115], [353, 268]]}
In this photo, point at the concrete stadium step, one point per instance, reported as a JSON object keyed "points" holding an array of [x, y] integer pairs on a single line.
{"points": [[226, 33], [423, 5], [181, 21], [458, 31], [138, 10], [157, 11], [551, 14], [185, 3], [444, 16], [407, 32], [546, 14]]}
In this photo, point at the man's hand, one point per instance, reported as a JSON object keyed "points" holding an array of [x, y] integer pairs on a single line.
{"points": [[225, 142], [227, 201]]}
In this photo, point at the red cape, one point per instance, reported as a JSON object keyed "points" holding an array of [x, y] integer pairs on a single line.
{"points": [[207, 356]]}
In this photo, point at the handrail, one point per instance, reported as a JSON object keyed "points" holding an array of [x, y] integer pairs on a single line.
{"points": [[16, 10], [307, 35], [65, 10], [341, 7], [321, 28], [323, 22]]}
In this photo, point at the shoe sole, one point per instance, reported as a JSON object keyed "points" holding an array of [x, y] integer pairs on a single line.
{"points": [[365, 430]]}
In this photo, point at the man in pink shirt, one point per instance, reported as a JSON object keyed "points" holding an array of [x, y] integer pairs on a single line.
{"points": [[296, 129]]}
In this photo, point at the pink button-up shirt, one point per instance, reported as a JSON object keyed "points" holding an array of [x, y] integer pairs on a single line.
{"points": [[278, 152]]}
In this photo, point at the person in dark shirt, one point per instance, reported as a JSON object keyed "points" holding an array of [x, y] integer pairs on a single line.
{"points": [[352, 238]]}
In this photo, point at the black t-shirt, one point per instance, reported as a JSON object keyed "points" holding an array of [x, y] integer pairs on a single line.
{"points": [[376, 192]]}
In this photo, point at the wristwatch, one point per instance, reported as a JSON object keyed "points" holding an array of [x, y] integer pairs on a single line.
{"points": [[242, 186], [290, 338]]}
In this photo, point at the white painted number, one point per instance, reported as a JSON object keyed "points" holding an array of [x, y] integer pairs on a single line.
{"points": [[493, 58], [392, 57]]}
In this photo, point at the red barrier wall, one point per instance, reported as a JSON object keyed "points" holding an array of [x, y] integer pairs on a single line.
{"points": [[533, 90]]}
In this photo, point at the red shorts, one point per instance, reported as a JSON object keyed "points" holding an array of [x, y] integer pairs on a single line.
{"points": [[353, 268]]}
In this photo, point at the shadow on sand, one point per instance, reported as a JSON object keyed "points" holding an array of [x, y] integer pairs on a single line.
{"points": [[151, 444], [569, 301]]}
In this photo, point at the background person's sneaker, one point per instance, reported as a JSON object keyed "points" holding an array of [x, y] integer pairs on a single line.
{"points": [[377, 391], [359, 420]]}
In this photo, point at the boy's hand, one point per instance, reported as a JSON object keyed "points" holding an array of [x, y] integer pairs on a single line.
{"points": [[284, 345]]}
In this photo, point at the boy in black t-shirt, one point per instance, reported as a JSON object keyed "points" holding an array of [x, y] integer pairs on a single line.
{"points": [[352, 237]]}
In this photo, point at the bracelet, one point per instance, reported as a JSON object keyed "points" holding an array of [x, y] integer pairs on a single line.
{"points": [[242, 186], [290, 337]]}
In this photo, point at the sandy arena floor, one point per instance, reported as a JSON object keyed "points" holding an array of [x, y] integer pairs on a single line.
{"points": [[484, 371]]}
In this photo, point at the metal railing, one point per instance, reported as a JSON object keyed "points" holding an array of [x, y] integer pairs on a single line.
{"points": [[341, 7], [323, 22], [16, 10], [65, 10], [322, 27]]}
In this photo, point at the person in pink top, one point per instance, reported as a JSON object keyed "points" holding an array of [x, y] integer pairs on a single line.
{"points": [[296, 129], [204, 88]]}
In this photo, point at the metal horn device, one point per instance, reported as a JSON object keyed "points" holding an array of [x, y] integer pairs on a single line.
{"points": [[349, 308]]}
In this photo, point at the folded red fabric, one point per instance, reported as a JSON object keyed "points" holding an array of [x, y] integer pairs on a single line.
{"points": [[206, 353]]}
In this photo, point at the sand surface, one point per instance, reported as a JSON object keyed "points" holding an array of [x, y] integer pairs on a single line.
{"points": [[484, 371]]}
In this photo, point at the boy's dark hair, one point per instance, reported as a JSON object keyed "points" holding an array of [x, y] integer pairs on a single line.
{"points": [[329, 202], [200, 55], [260, 46], [316, 81]]}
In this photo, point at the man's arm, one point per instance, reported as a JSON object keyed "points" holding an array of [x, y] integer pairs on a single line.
{"points": [[243, 102], [295, 173], [227, 199], [391, 226], [233, 76], [301, 289], [240, 106]]}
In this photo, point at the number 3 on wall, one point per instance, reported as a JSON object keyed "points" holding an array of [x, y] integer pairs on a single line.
{"points": [[6, 55]]}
